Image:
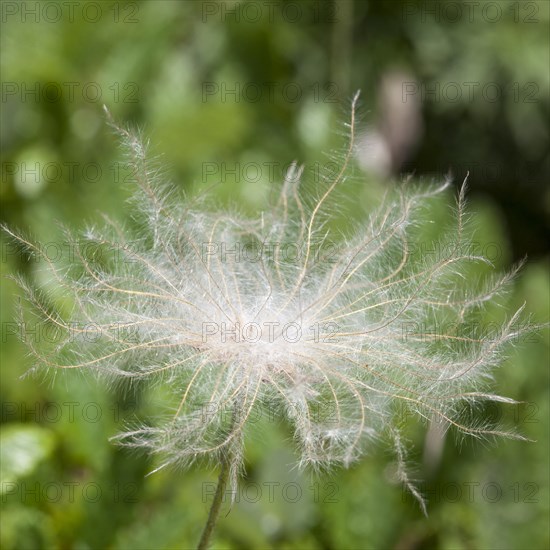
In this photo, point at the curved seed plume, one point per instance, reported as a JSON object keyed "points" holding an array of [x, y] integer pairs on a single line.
{"points": [[344, 349]]}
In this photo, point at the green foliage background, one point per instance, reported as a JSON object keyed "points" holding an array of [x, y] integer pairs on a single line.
{"points": [[151, 62]]}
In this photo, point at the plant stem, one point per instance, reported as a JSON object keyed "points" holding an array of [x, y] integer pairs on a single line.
{"points": [[216, 505]]}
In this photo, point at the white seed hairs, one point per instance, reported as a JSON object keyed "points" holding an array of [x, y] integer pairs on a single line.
{"points": [[326, 343]]}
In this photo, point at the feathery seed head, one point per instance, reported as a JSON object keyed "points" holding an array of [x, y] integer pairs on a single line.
{"points": [[232, 313]]}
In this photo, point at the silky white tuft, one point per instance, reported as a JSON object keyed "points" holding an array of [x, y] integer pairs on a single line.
{"points": [[213, 306]]}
